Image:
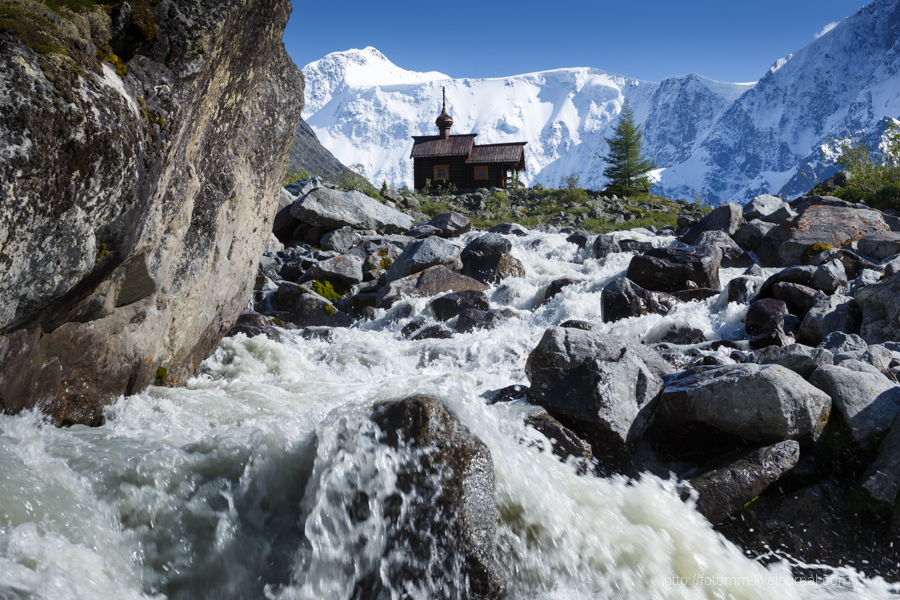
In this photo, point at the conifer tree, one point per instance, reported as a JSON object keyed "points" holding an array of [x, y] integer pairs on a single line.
{"points": [[627, 168]]}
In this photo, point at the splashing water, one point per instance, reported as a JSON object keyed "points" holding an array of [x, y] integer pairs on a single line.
{"points": [[240, 484]]}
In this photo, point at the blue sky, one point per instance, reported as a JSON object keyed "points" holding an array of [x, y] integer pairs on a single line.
{"points": [[725, 40]]}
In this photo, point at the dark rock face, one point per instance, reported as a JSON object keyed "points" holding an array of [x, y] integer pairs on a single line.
{"points": [[724, 489], [608, 403], [427, 283], [764, 404], [447, 307], [451, 224], [564, 441], [492, 268], [556, 287], [728, 218], [880, 305], [829, 314], [674, 269], [622, 299], [141, 205], [762, 315], [450, 473], [564, 348], [308, 154]]}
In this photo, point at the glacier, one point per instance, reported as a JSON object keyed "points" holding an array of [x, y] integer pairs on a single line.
{"points": [[714, 141]]}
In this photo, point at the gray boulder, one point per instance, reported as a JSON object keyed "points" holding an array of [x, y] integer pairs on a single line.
{"points": [[880, 245], [828, 314], [742, 289], [838, 342], [798, 298], [880, 306], [448, 306], [751, 235], [607, 402], [566, 347], [564, 441], [509, 229], [725, 488], [622, 299], [882, 478], [732, 254], [484, 245], [761, 206], [429, 282], [727, 217], [608, 243], [308, 309], [347, 269], [340, 240], [451, 224], [675, 269], [869, 402], [764, 404], [493, 268], [333, 209], [830, 278], [422, 254], [446, 468], [803, 360]]}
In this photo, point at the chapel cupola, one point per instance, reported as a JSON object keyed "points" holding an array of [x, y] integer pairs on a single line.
{"points": [[444, 122]]}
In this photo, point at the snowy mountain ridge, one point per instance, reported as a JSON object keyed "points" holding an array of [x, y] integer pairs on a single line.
{"points": [[723, 141]]}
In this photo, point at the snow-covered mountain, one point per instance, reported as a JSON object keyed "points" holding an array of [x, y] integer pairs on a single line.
{"points": [[724, 141]]}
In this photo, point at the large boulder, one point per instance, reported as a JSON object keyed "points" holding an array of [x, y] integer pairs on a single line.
{"points": [[422, 254], [732, 254], [484, 245], [448, 306], [447, 536], [880, 245], [606, 402], [880, 307], [429, 282], [622, 299], [493, 268], [308, 309], [803, 360], [764, 404], [567, 347], [675, 269], [869, 402], [751, 235], [829, 314], [725, 488], [451, 224], [728, 218], [761, 206], [135, 208], [822, 225], [332, 209]]}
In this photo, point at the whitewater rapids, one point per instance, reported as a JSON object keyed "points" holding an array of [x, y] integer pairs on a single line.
{"points": [[228, 487]]}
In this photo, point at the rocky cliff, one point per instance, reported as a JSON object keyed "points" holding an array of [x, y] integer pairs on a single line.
{"points": [[142, 146]]}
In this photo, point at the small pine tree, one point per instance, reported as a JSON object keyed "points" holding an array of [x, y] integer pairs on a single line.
{"points": [[627, 170]]}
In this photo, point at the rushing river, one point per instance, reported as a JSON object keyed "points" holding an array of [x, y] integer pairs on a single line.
{"points": [[234, 486]]}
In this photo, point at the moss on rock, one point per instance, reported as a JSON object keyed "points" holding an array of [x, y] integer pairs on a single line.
{"points": [[813, 251]]}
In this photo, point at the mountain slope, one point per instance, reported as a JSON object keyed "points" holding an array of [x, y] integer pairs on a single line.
{"points": [[722, 141]]}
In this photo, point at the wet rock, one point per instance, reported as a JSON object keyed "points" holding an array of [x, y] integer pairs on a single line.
{"points": [[556, 287], [801, 359], [762, 314], [751, 235], [451, 546], [880, 245], [493, 268], [448, 306], [828, 314], [579, 238], [340, 240], [307, 309], [761, 206], [684, 336], [799, 298], [431, 332], [433, 281], [799, 275], [695, 295], [610, 243], [451, 224], [754, 270], [674, 269], [253, 324], [830, 278], [880, 306], [510, 393], [727, 217], [742, 289], [422, 254], [576, 324], [347, 270], [622, 299], [564, 442], [332, 209], [724, 488], [733, 256], [484, 245], [607, 402], [471, 319], [869, 402], [765, 404], [564, 348], [509, 229]]}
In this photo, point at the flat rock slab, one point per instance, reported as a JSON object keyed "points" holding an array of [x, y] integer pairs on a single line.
{"points": [[725, 489], [333, 209], [834, 226], [765, 404], [430, 282], [566, 347]]}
